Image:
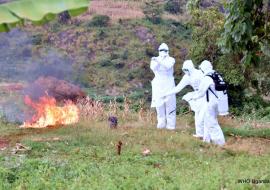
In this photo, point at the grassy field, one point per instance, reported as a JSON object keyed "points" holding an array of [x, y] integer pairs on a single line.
{"points": [[84, 156]]}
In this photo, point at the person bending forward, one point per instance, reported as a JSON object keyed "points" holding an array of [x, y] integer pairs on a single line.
{"points": [[212, 130]]}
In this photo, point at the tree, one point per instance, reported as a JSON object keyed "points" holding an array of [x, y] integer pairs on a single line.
{"points": [[247, 30], [37, 11], [207, 25], [246, 35], [206, 28]]}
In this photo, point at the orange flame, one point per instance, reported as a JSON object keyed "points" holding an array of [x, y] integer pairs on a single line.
{"points": [[49, 114]]}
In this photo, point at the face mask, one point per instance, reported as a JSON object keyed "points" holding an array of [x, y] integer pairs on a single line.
{"points": [[163, 53]]}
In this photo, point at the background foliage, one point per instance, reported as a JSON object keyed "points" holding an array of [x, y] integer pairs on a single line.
{"points": [[153, 11], [237, 46]]}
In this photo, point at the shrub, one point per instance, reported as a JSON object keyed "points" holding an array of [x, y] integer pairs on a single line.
{"points": [[206, 28], [119, 65], [137, 95], [173, 6], [124, 56], [105, 62], [130, 76], [100, 21], [114, 56], [150, 50], [64, 17], [100, 34], [37, 39], [153, 11], [233, 73]]}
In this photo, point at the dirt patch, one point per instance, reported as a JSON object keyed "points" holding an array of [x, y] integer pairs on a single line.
{"points": [[40, 139], [68, 40], [145, 35], [25, 133], [3, 143], [16, 137], [255, 146], [114, 9]]}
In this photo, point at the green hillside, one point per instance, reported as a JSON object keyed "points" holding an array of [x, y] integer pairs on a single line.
{"points": [[114, 59], [107, 50]]}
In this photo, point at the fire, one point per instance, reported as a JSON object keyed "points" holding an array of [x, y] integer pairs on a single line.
{"points": [[49, 114]]}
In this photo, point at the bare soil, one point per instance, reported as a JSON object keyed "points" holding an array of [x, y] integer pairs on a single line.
{"points": [[255, 146], [3, 143], [114, 9]]}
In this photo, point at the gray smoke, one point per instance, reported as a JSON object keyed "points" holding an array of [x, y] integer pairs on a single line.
{"points": [[21, 61]]}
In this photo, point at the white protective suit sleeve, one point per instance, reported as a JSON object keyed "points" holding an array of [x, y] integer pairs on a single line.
{"points": [[182, 84], [205, 84], [168, 64], [154, 65]]}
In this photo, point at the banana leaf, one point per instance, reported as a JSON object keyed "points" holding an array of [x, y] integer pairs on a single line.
{"points": [[37, 11]]}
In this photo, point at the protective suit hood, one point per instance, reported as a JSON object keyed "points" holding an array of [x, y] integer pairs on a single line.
{"points": [[163, 50], [188, 67], [206, 67]]}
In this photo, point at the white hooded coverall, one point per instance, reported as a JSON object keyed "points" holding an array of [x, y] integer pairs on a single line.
{"points": [[193, 78], [212, 130], [162, 66]]}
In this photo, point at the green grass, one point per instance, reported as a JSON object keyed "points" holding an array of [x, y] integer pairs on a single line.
{"points": [[84, 157], [248, 132]]}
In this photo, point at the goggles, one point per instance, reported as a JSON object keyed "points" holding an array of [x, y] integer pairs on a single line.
{"points": [[185, 70], [165, 50]]}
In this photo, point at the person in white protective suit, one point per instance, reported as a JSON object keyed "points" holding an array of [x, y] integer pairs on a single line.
{"points": [[193, 78], [162, 66], [209, 107]]}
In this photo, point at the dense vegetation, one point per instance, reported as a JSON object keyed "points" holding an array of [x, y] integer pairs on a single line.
{"points": [[238, 45]]}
